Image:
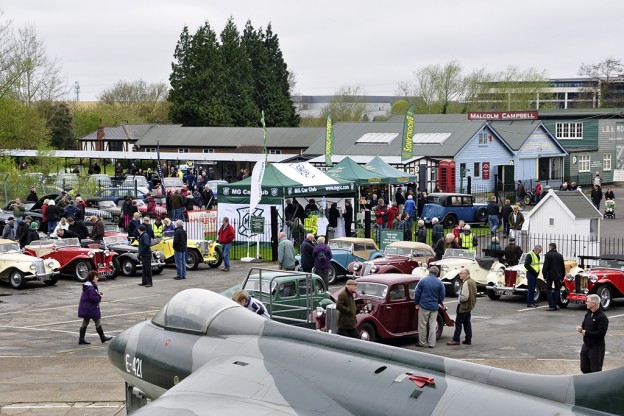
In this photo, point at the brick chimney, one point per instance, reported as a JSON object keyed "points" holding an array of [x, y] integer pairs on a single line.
{"points": [[99, 141]]}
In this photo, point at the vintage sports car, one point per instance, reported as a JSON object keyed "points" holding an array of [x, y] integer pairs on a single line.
{"points": [[127, 255], [450, 208], [286, 294], [511, 280], [199, 251], [398, 257], [18, 268], [105, 205], [452, 261], [142, 207], [75, 259], [605, 279], [346, 250], [385, 304]]}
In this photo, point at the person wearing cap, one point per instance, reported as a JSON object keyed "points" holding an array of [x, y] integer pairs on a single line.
{"points": [[468, 241], [512, 252], [33, 234], [346, 311], [429, 293], [516, 220], [8, 232]]}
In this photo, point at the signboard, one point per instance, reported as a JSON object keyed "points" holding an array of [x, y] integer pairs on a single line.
{"points": [[390, 236], [503, 115], [257, 224], [485, 170]]}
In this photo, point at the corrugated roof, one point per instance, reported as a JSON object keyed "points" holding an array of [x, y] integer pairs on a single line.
{"points": [[460, 128], [124, 132], [294, 137]]}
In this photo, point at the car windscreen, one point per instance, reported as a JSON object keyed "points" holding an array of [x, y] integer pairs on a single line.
{"points": [[377, 290], [140, 181], [611, 264], [459, 254], [397, 251], [344, 245], [253, 285], [67, 242], [9, 248], [107, 204], [174, 182], [115, 239]]}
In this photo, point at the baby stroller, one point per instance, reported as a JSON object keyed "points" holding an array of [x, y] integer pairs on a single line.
{"points": [[609, 211]]}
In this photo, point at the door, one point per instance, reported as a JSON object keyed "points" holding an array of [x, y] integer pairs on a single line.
{"points": [[544, 168], [394, 312]]}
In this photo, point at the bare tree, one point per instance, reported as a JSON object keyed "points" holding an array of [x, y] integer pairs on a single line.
{"points": [[348, 104], [145, 100], [606, 73]]}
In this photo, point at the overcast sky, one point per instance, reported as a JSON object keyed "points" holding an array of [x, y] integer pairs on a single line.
{"points": [[327, 43]]}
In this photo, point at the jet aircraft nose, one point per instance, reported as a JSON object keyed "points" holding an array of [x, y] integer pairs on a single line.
{"points": [[117, 350]]}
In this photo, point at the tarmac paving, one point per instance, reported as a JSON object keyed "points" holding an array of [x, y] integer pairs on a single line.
{"points": [[43, 370]]}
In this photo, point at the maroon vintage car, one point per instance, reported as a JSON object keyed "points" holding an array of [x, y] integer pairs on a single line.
{"points": [[385, 304], [398, 257], [604, 278], [75, 259]]}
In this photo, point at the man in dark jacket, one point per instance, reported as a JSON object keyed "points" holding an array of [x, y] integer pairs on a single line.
{"points": [[64, 234], [33, 234], [145, 252], [554, 272], [596, 196], [32, 196], [594, 329], [97, 233], [322, 260], [467, 301], [348, 217], [493, 215], [513, 252], [437, 232], [179, 250], [506, 211], [347, 311], [71, 210], [207, 197], [78, 227], [307, 248], [21, 232]]}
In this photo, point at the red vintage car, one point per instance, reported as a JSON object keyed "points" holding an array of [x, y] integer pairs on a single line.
{"points": [[398, 257], [385, 304], [604, 278], [74, 259]]}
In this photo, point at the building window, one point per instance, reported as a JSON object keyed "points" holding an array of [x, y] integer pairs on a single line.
{"points": [[569, 130], [551, 221], [275, 152], [183, 150], [477, 169], [484, 137], [583, 163], [150, 150], [606, 161], [115, 146], [209, 151], [462, 170]]}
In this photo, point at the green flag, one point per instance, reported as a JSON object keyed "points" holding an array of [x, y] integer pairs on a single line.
{"points": [[264, 133], [329, 141], [407, 149]]}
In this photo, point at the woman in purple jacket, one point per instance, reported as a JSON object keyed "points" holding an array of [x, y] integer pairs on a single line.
{"points": [[89, 307], [322, 255]]}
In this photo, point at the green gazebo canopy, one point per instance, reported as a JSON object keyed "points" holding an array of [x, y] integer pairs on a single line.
{"points": [[383, 169], [350, 171]]}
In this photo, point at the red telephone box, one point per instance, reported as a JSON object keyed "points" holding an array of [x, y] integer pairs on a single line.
{"points": [[446, 175]]}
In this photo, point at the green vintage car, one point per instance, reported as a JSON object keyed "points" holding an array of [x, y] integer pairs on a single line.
{"points": [[290, 297]]}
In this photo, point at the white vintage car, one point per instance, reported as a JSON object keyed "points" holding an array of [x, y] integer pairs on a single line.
{"points": [[511, 280], [455, 259], [18, 268]]}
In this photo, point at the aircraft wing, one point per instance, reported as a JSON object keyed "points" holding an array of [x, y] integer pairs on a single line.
{"points": [[242, 386]]}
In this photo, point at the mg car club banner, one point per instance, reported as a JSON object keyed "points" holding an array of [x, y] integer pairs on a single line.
{"points": [[240, 218]]}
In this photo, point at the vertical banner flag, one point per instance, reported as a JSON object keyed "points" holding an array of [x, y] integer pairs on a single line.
{"points": [[159, 168], [407, 149], [264, 133], [329, 141], [256, 185]]}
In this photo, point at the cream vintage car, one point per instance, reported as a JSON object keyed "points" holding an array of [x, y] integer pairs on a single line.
{"points": [[455, 259], [511, 280], [18, 268]]}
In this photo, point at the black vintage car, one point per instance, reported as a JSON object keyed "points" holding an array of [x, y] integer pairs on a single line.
{"points": [[127, 261]]}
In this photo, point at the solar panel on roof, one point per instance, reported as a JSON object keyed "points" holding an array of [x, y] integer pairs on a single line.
{"points": [[377, 138], [430, 138]]}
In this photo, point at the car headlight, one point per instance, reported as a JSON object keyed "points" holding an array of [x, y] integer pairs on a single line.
{"points": [[500, 272], [569, 277], [107, 253], [593, 278], [33, 266], [373, 268], [196, 243], [50, 264], [356, 267], [445, 268], [91, 254], [210, 242]]}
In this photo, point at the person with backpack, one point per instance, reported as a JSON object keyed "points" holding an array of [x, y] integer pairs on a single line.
{"points": [[322, 255]]}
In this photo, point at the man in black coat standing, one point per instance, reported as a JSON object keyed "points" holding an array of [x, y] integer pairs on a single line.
{"points": [[594, 329], [179, 250], [554, 272], [145, 252], [307, 250], [348, 217]]}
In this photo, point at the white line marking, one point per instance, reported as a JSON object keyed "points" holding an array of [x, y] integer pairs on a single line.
{"points": [[79, 320], [530, 309], [615, 316]]}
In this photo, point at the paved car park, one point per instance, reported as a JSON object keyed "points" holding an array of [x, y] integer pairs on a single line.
{"points": [[45, 372]]}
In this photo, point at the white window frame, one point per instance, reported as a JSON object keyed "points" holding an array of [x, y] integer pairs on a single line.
{"points": [[208, 150], [484, 138], [183, 150], [569, 130], [584, 163], [150, 150], [606, 161], [275, 152]]}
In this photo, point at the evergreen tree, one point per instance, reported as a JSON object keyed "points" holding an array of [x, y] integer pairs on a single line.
{"points": [[59, 121]]}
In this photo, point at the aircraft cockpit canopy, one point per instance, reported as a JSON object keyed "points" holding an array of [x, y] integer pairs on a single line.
{"points": [[191, 311]]}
